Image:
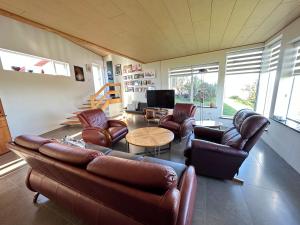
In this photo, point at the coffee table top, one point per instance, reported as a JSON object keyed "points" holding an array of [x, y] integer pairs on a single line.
{"points": [[150, 137]]}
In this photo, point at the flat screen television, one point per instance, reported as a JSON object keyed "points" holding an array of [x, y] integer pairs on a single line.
{"points": [[161, 98]]}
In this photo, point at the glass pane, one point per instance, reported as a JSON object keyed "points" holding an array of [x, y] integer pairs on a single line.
{"points": [[25, 63], [98, 78], [205, 88], [182, 87], [61, 68], [240, 93], [294, 107]]}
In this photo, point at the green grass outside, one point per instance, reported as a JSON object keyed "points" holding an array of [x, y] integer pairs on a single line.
{"points": [[228, 110]]}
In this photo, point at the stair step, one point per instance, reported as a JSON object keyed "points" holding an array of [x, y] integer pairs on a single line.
{"points": [[71, 123]]}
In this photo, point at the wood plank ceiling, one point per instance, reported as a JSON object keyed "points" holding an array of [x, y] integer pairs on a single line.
{"points": [[152, 30]]}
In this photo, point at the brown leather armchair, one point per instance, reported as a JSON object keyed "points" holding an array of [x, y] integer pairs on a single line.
{"points": [[100, 131], [181, 122], [220, 154]]}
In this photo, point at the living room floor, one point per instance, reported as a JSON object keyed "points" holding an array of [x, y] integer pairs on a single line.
{"points": [[269, 196]]}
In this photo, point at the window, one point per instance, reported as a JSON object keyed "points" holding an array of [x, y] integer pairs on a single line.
{"points": [[241, 79], [267, 78], [287, 108], [196, 84], [16, 61], [98, 77]]}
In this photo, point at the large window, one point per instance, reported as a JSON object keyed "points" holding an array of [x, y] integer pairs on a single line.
{"points": [[241, 79], [197, 84], [16, 61], [287, 108], [267, 78]]}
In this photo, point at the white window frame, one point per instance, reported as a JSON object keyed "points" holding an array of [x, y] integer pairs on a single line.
{"points": [[190, 72], [228, 73], [51, 61]]}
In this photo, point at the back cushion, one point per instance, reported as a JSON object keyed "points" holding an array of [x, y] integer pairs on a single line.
{"points": [[93, 118], [233, 138], [32, 142], [143, 175], [182, 112], [252, 125], [68, 154], [240, 116]]}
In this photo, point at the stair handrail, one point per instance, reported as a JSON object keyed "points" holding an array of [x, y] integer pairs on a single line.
{"points": [[93, 98]]}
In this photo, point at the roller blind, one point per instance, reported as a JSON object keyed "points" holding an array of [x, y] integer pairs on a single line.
{"points": [[194, 70], [274, 57], [244, 62], [297, 62]]}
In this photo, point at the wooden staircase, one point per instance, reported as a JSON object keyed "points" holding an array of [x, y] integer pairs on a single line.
{"points": [[101, 99]]}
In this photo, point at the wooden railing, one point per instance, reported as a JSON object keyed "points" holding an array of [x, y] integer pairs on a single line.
{"points": [[105, 100]]}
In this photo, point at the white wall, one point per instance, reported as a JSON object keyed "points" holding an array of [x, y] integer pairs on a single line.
{"points": [[36, 103], [284, 140]]}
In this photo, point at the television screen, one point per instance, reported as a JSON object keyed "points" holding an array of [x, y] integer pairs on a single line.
{"points": [[161, 98]]}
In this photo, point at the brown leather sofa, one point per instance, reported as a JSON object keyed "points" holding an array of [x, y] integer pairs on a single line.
{"points": [[97, 129], [181, 122], [109, 187], [220, 154]]}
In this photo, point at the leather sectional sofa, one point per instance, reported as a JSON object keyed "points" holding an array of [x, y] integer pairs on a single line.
{"points": [[109, 187]]}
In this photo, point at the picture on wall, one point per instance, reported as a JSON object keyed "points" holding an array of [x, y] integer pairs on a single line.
{"points": [[118, 69], [79, 75], [150, 74]]}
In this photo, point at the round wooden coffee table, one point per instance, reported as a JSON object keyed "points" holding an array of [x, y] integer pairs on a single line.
{"points": [[150, 137]]}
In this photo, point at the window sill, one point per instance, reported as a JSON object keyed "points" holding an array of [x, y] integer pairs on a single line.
{"points": [[289, 123]]}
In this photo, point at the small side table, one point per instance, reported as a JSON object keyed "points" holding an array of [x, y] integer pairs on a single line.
{"points": [[208, 123]]}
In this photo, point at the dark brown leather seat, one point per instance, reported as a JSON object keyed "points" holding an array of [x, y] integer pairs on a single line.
{"points": [[220, 154], [100, 131], [181, 122], [117, 188]]}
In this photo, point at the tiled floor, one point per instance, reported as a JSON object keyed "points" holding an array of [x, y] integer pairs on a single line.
{"points": [[270, 195]]}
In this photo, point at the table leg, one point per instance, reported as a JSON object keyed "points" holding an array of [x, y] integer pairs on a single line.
{"points": [[128, 150]]}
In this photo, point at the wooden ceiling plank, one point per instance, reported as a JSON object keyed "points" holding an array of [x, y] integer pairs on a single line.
{"points": [[157, 11], [263, 10], [200, 14], [280, 17], [242, 11], [180, 15], [221, 13]]}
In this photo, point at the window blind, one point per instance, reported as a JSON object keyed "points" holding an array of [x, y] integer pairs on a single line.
{"points": [[274, 57], [243, 62], [297, 63], [194, 70]]}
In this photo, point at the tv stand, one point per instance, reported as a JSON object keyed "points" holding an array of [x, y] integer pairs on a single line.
{"points": [[154, 114]]}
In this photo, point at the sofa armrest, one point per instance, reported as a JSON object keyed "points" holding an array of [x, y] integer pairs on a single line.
{"points": [[96, 136], [165, 118], [201, 145], [208, 134], [116, 123], [186, 126]]}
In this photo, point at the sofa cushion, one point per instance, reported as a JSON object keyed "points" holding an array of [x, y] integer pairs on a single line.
{"points": [[72, 155], [142, 175], [171, 125], [31, 141], [116, 132], [178, 167]]}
